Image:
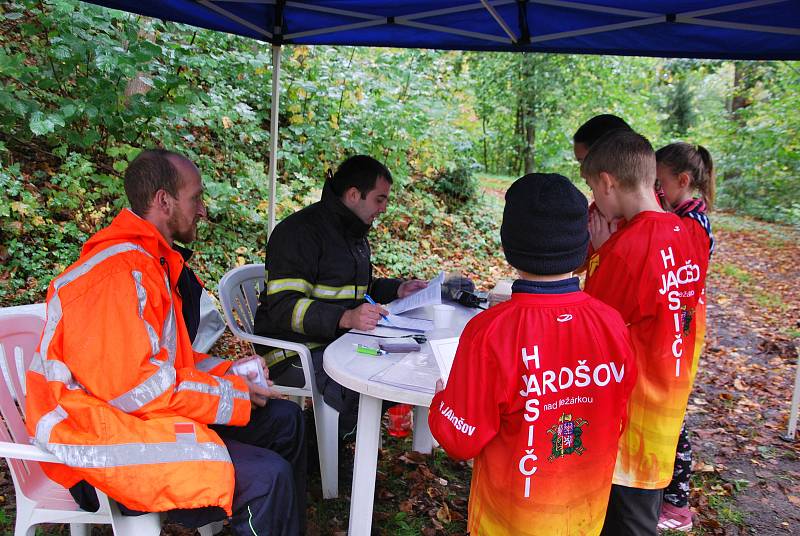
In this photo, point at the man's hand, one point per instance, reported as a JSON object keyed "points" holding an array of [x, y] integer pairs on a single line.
{"points": [[439, 386], [258, 392], [407, 288], [364, 317]]}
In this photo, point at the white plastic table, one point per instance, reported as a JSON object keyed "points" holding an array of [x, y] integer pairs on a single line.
{"points": [[354, 370]]}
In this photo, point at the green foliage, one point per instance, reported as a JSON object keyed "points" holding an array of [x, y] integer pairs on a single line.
{"points": [[756, 147], [559, 93], [85, 89], [680, 114], [457, 182], [676, 95]]}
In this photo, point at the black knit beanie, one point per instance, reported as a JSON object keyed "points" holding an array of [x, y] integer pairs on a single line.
{"points": [[545, 225]]}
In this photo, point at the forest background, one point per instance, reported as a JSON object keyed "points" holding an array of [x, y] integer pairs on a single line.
{"points": [[85, 88]]}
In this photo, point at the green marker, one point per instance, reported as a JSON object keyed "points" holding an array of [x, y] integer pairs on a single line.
{"points": [[368, 350]]}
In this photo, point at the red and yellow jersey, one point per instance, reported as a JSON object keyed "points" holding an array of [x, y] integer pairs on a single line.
{"points": [[693, 213], [537, 395], [653, 273]]}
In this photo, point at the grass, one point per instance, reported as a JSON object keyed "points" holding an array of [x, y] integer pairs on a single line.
{"points": [[495, 182], [502, 182], [770, 300], [731, 270], [793, 333], [778, 235], [763, 298], [726, 512], [720, 494]]}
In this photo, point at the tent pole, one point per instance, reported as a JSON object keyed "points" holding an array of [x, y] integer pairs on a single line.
{"points": [[790, 435], [273, 132]]}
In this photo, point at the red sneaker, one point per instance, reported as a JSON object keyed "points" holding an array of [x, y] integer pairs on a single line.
{"points": [[675, 518]]}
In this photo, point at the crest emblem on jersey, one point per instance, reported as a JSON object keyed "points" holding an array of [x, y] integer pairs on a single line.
{"points": [[594, 262], [567, 434], [688, 316]]}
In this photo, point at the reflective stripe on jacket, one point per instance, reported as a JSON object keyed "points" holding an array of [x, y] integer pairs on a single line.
{"points": [[318, 266], [116, 391]]}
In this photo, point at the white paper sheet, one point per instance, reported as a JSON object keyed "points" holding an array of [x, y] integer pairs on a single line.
{"points": [[430, 295], [383, 332], [444, 350], [406, 323], [416, 371], [244, 367]]}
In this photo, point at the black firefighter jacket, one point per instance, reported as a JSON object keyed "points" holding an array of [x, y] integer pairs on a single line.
{"points": [[318, 266]]}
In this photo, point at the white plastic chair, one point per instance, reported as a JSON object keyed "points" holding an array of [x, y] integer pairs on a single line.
{"points": [[238, 291], [39, 499]]}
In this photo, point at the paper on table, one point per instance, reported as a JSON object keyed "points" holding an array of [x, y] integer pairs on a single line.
{"points": [[410, 324], [444, 350], [380, 331], [432, 294], [416, 371]]}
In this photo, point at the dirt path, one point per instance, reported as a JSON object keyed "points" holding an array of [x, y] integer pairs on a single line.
{"points": [[747, 479]]}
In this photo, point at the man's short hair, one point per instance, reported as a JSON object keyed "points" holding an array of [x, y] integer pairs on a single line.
{"points": [[150, 172], [597, 127], [359, 171], [626, 155]]}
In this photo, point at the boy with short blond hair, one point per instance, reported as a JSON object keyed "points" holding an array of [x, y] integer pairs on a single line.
{"points": [[649, 273]]}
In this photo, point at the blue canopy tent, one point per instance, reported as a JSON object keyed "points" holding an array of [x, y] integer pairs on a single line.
{"points": [[760, 29]]}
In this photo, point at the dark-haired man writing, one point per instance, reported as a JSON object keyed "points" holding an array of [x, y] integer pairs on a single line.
{"points": [[318, 271]]}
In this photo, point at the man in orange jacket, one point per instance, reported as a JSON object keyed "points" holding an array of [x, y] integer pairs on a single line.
{"points": [[119, 396]]}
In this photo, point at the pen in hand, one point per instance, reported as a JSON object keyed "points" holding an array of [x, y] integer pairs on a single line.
{"points": [[370, 300]]}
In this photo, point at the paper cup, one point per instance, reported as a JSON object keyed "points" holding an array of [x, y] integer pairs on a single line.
{"points": [[443, 315]]}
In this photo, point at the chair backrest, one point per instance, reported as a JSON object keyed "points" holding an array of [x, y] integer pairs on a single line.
{"points": [[19, 337], [238, 291]]}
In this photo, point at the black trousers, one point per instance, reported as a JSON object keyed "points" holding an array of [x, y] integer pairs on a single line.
{"points": [[269, 461], [632, 512], [345, 401]]}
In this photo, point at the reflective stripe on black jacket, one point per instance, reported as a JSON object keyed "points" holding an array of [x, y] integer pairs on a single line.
{"points": [[318, 266]]}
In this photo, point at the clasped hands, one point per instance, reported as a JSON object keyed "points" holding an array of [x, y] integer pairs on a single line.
{"points": [[258, 393]]}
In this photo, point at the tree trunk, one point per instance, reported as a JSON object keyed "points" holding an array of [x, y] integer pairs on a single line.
{"points": [[529, 122], [744, 79], [513, 166], [485, 148], [530, 142]]}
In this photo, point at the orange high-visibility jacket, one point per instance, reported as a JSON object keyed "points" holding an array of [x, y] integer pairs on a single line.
{"points": [[116, 391]]}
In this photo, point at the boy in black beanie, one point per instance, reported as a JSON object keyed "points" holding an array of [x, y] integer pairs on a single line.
{"points": [[539, 386]]}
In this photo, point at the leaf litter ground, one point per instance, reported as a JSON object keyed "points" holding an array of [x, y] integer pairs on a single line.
{"points": [[747, 479]]}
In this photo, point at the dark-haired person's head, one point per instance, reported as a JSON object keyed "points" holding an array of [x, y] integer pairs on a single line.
{"points": [[594, 129], [363, 184], [681, 169], [165, 189]]}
